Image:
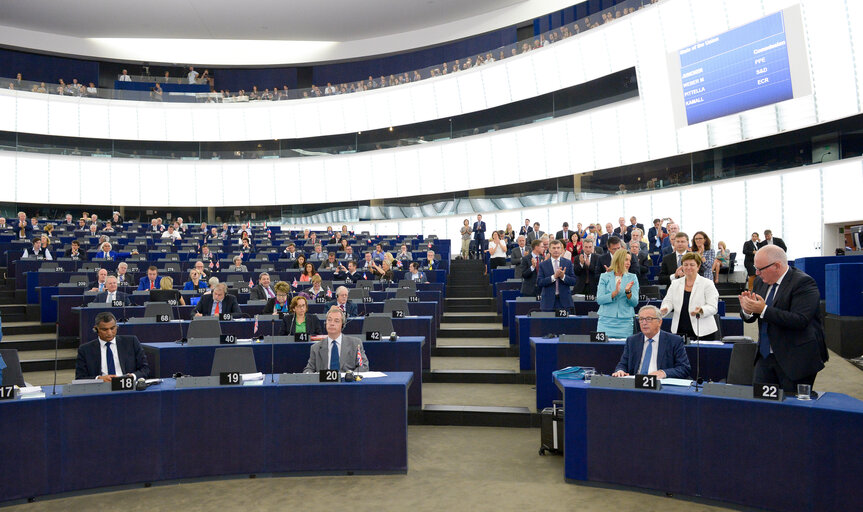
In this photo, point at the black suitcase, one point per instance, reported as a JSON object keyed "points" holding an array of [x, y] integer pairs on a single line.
{"points": [[552, 429]]}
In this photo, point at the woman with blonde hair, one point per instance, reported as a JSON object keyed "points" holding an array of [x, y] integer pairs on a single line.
{"points": [[617, 295]]}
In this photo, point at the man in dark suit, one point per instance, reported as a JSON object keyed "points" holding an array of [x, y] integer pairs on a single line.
{"points": [[291, 252], [749, 249], [217, 302], [479, 233], [111, 294], [670, 268], [668, 242], [123, 355], [528, 266], [564, 233], [336, 351], [349, 272], [152, 280], [22, 223], [633, 224], [615, 244], [519, 251], [536, 234], [655, 236], [526, 228], [554, 278], [791, 348], [75, 252], [124, 278], [99, 284], [640, 257], [769, 239], [262, 290], [585, 269], [621, 230], [341, 301], [664, 354], [430, 262], [602, 241]]}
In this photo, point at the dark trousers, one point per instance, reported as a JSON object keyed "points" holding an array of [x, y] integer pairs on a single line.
{"points": [[768, 371]]}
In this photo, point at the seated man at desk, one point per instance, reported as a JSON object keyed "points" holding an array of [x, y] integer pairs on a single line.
{"points": [[110, 355], [345, 353], [342, 302], [653, 352], [110, 293], [99, 284], [152, 280], [349, 273], [217, 302], [123, 276], [75, 252]]}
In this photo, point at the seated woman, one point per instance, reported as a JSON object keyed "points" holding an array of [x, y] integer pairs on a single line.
{"points": [[195, 282], [308, 272], [279, 303], [723, 259], [300, 262], [617, 295], [690, 296], [384, 272], [316, 290], [299, 321], [166, 292], [238, 265]]}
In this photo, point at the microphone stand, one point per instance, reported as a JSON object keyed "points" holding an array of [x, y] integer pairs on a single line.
{"points": [[698, 381], [56, 350]]}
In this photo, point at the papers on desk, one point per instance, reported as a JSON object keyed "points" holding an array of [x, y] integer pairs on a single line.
{"points": [[676, 382], [28, 392], [253, 379], [373, 375], [707, 342]]}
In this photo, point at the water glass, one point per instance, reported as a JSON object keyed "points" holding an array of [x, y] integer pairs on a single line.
{"points": [[803, 391]]}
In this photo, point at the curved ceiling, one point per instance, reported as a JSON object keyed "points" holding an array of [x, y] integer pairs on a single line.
{"points": [[259, 32]]}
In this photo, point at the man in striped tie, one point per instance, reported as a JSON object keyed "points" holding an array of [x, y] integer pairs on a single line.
{"points": [[653, 351]]}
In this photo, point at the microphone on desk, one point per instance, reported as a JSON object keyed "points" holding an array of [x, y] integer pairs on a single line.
{"points": [[698, 380]]}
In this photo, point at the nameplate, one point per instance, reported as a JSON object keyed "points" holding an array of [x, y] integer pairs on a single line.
{"points": [[373, 335], [301, 337], [117, 303], [163, 318], [643, 381], [413, 298], [7, 392], [299, 378], [225, 316], [642, 297], [607, 381], [244, 289], [329, 376], [123, 383], [59, 269], [230, 378], [589, 297], [727, 390], [227, 339], [82, 283], [398, 313], [764, 391], [367, 299], [87, 388], [598, 336], [197, 382], [561, 313], [172, 302], [320, 300]]}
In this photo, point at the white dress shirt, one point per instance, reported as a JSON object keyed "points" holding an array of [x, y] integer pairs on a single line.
{"points": [[114, 351], [111, 297]]}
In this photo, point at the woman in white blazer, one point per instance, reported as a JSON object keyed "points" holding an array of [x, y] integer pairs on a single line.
{"points": [[690, 295]]}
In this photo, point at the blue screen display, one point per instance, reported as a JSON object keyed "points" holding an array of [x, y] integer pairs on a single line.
{"points": [[739, 70]]}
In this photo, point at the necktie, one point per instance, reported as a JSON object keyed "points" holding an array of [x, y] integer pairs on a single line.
{"points": [[587, 265], [152, 284], [645, 365], [101, 286], [556, 265], [110, 298], [269, 293], [763, 340], [342, 307], [109, 357], [679, 256], [217, 308], [334, 357]]}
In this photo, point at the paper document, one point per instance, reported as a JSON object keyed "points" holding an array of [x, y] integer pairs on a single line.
{"points": [[706, 342], [248, 377], [30, 390], [373, 375], [676, 382]]}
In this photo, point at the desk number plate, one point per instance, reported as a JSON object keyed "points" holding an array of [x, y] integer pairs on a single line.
{"points": [[330, 376], [413, 298], [301, 336], [398, 313], [244, 289], [225, 316], [367, 299], [227, 339], [598, 336], [373, 335], [561, 313], [117, 303], [320, 300], [764, 391], [643, 381], [124, 383], [230, 379], [163, 318], [7, 392]]}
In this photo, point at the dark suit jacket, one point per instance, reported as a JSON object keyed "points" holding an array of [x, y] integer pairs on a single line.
{"points": [[776, 241], [258, 293], [343, 276], [605, 261], [516, 254], [313, 325], [103, 296], [630, 227], [667, 268], [144, 283], [533, 235], [479, 230], [651, 238], [793, 324], [587, 276], [129, 352], [525, 230], [546, 282], [229, 305], [670, 357], [528, 276], [622, 234], [749, 249], [602, 241], [82, 255], [565, 237], [350, 307], [643, 267], [129, 280]]}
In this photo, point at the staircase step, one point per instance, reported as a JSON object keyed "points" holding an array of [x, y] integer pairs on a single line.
{"points": [[467, 304], [47, 365], [475, 351], [47, 344], [28, 338], [475, 416], [472, 330], [462, 290], [471, 317], [27, 327], [479, 377]]}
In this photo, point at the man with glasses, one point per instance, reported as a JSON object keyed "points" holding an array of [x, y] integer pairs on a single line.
{"points": [[784, 301], [654, 351]]}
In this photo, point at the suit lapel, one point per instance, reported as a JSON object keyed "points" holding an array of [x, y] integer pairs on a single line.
{"points": [[638, 349]]}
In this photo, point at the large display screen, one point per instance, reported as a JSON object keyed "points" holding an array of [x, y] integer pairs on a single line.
{"points": [[745, 68]]}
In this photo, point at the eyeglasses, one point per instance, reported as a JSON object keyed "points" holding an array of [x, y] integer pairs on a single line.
{"points": [[647, 318], [765, 267]]}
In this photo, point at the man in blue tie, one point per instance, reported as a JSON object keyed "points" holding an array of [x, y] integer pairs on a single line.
{"points": [[653, 352], [784, 301], [337, 352], [110, 355]]}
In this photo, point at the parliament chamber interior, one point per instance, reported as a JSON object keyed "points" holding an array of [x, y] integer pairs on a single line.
{"points": [[605, 254]]}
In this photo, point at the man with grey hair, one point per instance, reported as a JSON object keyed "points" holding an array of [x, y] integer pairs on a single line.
{"points": [[653, 351], [218, 302], [519, 251], [319, 254], [341, 301], [337, 351], [784, 301]]}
